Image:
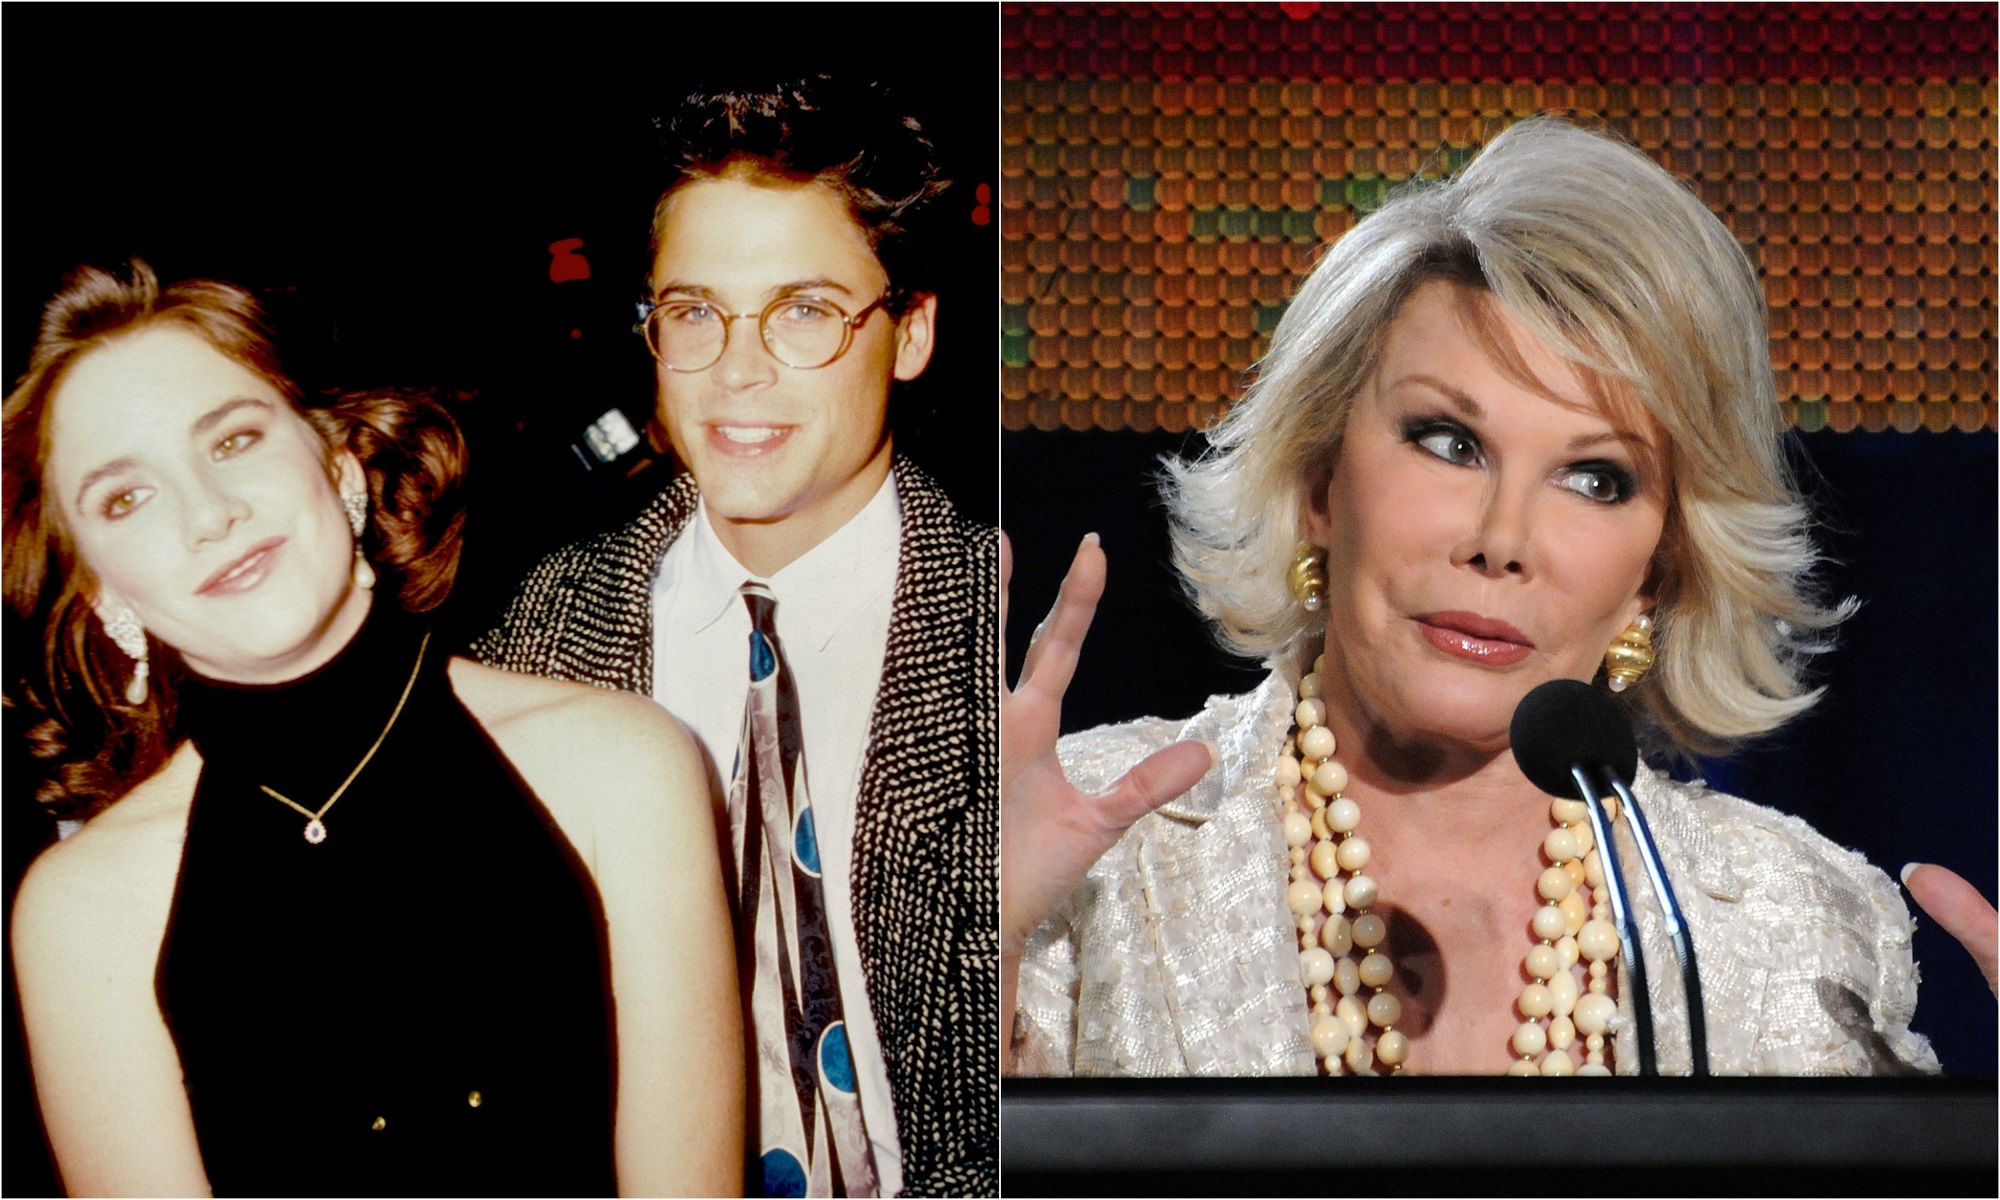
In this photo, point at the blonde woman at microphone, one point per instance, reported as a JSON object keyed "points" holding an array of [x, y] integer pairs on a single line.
{"points": [[1515, 427]]}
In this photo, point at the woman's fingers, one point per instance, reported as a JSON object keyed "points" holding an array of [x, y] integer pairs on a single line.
{"points": [[1958, 906], [1161, 776], [1051, 833], [1052, 652]]}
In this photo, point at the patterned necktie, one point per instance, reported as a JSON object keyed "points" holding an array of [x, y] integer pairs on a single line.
{"points": [[809, 1132]]}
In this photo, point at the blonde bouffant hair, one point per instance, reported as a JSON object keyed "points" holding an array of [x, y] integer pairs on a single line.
{"points": [[1615, 266]]}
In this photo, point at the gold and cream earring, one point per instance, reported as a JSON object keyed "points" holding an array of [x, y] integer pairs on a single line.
{"points": [[1631, 656], [355, 505], [1308, 577], [129, 636]]}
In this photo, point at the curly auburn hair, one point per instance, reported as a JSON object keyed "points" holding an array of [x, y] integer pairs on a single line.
{"points": [[94, 744], [853, 138]]}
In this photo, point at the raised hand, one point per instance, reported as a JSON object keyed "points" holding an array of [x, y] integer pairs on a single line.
{"points": [[1050, 832], [1956, 905]]}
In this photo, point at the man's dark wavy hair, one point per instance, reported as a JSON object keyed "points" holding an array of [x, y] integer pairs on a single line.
{"points": [[853, 137]]}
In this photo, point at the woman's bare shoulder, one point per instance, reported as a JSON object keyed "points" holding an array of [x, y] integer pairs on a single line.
{"points": [[106, 888], [601, 761], [534, 710]]}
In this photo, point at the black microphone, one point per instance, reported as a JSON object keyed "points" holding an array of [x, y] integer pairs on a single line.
{"points": [[1574, 741], [1562, 724]]}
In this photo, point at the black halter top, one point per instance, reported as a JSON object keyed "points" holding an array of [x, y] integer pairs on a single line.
{"points": [[420, 1003]]}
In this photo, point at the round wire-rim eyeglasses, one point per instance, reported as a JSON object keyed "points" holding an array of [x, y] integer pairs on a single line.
{"points": [[652, 313]]}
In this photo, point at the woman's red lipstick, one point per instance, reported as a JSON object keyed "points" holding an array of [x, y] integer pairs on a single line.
{"points": [[1475, 638], [244, 573]]}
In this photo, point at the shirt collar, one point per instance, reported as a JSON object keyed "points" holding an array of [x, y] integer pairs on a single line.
{"points": [[816, 592]]}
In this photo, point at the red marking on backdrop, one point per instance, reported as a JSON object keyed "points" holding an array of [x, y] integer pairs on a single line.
{"points": [[566, 261]]}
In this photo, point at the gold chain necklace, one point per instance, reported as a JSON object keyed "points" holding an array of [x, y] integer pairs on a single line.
{"points": [[315, 827], [1334, 920]]}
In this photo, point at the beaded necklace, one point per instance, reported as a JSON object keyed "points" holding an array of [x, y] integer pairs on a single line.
{"points": [[1335, 920]]}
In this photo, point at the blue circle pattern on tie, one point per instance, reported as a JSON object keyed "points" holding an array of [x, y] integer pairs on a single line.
{"points": [[805, 844], [784, 1174], [762, 660], [836, 1063]]}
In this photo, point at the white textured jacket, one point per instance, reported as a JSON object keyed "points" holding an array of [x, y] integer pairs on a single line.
{"points": [[1177, 955]]}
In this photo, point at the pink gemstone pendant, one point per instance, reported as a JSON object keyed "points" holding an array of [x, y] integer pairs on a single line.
{"points": [[315, 832]]}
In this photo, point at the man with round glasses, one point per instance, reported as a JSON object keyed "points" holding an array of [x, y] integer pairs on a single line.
{"points": [[786, 295], [804, 332]]}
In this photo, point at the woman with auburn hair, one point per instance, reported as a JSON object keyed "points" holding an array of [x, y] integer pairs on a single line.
{"points": [[1516, 428], [340, 913]]}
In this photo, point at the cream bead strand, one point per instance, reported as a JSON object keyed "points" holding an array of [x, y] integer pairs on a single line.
{"points": [[1567, 930], [1332, 912], [1335, 921]]}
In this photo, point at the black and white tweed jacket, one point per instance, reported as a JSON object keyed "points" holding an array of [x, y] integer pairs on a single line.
{"points": [[927, 829]]}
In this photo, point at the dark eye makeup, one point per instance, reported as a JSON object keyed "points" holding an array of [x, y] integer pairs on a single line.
{"points": [[1444, 438], [1606, 482], [1449, 440]]}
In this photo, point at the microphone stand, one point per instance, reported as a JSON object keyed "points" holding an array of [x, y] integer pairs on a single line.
{"points": [[1621, 912], [1677, 928]]}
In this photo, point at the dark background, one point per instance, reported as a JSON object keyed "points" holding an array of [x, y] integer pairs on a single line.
{"points": [[390, 180], [1897, 761]]}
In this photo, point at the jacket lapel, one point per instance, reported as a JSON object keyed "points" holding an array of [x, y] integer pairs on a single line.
{"points": [[926, 845], [1708, 886], [1231, 981]]}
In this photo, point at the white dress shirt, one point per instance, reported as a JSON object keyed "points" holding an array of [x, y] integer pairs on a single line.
{"points": [[832, 618]]}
